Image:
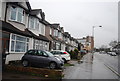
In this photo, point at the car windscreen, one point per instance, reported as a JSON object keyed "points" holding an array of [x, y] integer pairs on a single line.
{"points": [[49, 54]]}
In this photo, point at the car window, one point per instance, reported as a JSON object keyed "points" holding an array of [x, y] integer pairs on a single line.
{"points": [[40, 53], [53, 52], [30, 52], [49, 53], [57, 52], [35, 52], [44, 53]]}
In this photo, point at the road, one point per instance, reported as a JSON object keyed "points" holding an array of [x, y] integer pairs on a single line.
{"points": [[91, 69], [111, 61]]}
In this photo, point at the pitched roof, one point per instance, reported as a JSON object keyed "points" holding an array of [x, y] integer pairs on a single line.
{"points": [[35, 12], [17, 3], [10, 28], [55, 25]]}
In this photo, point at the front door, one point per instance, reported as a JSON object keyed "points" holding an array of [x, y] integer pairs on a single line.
{"points": [[4, 46], [4, 42]]}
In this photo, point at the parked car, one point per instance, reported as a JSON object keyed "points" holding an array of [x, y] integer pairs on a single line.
{"points": [[63, 54], [41, 58], [113, 54], [102, 52], [108, 52], [83, 51]]}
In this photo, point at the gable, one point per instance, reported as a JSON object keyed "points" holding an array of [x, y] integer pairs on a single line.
{"points": [[39, 16], [25, 5]]}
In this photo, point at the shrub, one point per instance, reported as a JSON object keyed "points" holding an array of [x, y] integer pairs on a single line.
{"points": [[74, 54]]}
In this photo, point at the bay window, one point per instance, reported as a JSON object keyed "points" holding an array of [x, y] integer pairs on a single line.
{"points": [[55, 32], [60, 35], [57, 46], [17, 14], [37, 24], [42, 29], [33, 23], [39, 44], [19, 43]]}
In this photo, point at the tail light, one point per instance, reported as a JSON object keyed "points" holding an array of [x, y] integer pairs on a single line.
{"points": [[65, 52]]}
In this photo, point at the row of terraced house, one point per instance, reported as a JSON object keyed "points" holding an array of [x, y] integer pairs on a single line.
{"points": [[24, 28]]}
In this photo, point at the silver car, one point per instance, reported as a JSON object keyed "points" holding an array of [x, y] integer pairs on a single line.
{"points": [[41, 58]]}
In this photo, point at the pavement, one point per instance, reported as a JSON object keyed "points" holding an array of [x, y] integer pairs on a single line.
{"points": [[89, 69]]}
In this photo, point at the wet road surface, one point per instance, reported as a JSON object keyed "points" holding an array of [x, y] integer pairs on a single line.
{"points": [[89, 69], [111, 61]]}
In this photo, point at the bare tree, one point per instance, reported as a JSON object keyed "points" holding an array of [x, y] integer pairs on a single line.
{"points": [[113, 43]]}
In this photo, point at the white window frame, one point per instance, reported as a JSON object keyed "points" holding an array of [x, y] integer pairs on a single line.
{"points": [[41, 44], [16, 19], [27, 42], [42, 29], [31, 19], [55, 32], [36, 22]]}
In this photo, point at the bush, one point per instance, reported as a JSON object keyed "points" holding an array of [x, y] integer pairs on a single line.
{"points": [[76, 51], [74, 54]]}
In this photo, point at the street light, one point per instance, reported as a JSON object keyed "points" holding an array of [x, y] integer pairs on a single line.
{"points": [[93, 38], [93, 30]]}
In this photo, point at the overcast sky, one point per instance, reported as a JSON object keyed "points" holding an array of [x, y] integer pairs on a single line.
{"points": [[79, 16]]}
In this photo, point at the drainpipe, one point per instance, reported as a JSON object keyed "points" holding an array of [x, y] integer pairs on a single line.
{"points": [[6, 11]]}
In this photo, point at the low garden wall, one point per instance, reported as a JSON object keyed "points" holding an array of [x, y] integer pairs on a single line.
{"points": [[44, 73]]}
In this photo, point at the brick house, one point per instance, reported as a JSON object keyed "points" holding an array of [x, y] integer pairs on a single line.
{"points": [[22, 29]]}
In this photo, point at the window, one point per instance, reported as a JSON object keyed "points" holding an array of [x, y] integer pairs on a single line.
{"points": [[17, 14], [19, 43], [31, 23], [55, 32], [42, 28], [60, 35], [31, 52], [34, 23], [45, 54], [57, 46], [40, 44], [40, 53], [13, 13]]}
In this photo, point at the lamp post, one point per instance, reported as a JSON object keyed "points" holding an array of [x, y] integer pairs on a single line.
{"points": [[93, 39], [93, 34]]}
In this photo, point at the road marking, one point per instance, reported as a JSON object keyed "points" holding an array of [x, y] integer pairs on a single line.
{"points": [[112, 70]]}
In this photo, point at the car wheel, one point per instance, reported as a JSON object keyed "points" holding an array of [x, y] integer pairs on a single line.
{"points": [[25, 63], [52, 65]]}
